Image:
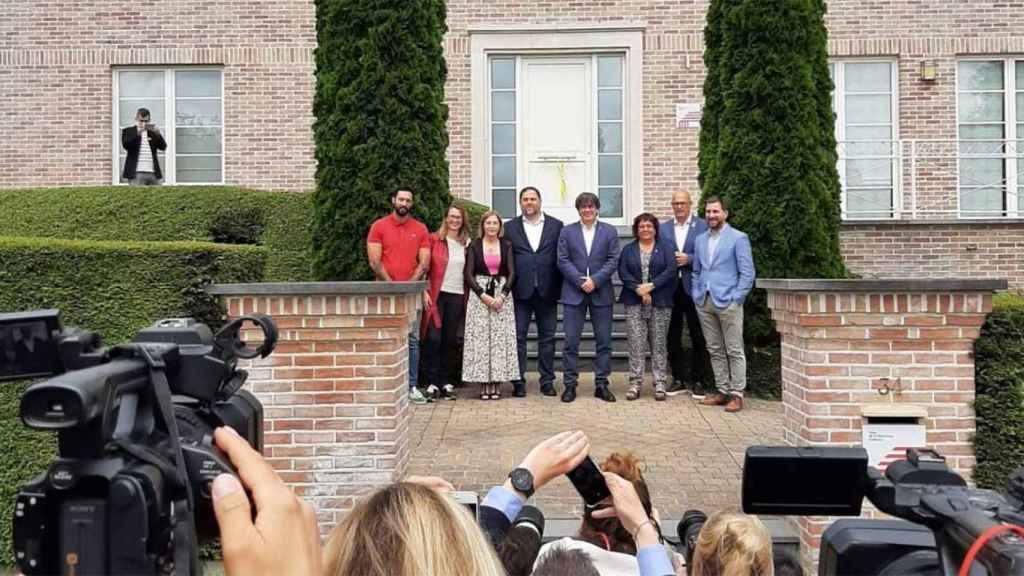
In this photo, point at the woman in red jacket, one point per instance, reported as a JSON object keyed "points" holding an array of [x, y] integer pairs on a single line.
{"points": [[444, 302]]}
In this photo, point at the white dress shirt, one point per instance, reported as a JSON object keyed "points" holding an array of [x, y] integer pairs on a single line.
{"points": [[588, 235], [682, 231], [713, 238], [534, 231]]}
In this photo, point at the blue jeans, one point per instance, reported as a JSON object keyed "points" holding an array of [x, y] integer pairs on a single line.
{"points": [[414, 353], [601, 320]]}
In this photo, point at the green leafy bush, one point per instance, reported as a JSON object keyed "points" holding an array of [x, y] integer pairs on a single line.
{"points": [[279, 221], [114, 288], [380, 123], [999, 401]]}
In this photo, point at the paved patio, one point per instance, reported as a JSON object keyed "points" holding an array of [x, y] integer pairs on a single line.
{"points": [[693, 453]]}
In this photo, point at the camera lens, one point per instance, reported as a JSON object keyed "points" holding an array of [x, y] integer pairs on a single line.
{"points": [[688, 530]]}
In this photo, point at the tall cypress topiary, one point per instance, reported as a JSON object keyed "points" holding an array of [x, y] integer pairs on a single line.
{"points": [[380, 123], [714, 98], [767, 137]]}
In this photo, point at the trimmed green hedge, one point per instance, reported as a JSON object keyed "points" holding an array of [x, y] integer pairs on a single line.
{"points": [[115, 288], [278, 221], [999, 404]]}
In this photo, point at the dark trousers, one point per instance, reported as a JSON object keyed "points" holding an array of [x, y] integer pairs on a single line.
{"points": [[546, 313], [601, 321], [441, 341], [683, 307]]}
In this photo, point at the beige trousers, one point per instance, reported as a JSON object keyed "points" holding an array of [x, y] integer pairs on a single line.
{"points": [[723, 332]]}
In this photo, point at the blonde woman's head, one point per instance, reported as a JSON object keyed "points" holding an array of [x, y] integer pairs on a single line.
{"points": [[408, 530], [733, 544]]}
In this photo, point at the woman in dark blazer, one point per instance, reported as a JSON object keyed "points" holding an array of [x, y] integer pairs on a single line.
{"points": [[648, 273], [489, 354]]}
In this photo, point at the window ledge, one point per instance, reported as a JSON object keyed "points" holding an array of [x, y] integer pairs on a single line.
{"points": [[937, 221], [531, 27]]}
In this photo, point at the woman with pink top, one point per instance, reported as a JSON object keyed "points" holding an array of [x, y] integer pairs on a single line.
{"points": [[489, 351]]}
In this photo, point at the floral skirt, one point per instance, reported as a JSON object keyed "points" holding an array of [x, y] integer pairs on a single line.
{"points": [[489, 346]]}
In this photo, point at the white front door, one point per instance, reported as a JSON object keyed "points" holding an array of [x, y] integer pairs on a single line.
{"points": [[557, 131]]}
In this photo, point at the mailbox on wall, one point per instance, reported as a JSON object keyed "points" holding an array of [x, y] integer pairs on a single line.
{"points": [[889, 429]]}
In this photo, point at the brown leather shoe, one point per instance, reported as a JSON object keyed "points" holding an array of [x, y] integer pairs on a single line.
{"points": [[735, 404], [715, 399]]}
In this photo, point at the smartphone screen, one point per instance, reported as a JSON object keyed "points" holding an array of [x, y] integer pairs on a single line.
{"points": [[589, 482]]}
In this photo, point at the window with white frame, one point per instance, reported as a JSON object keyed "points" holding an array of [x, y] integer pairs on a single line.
{"points": [[865, 104], [990, 128], [610, 120], [570, 137], [503, 136], [187, 106]]}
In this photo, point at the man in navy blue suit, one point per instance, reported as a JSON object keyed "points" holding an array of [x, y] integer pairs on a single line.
{"points": [[588, 255], [680, 234], [534, 238]]}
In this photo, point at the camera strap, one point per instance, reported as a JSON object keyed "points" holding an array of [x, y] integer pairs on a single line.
{"points": [[186, 561]]}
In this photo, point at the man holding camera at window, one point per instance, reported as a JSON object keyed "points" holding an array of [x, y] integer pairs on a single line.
{"points": [[141, 166]]}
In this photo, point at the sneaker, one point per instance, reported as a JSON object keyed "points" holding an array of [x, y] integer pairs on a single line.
{"points": [[659, 392], [698, 392], [417, 397], [432, 393], [675, 387], [448, 392], [634, 392]]}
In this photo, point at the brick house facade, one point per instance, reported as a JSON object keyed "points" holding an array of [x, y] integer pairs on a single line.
{"points": [[917, 201]]}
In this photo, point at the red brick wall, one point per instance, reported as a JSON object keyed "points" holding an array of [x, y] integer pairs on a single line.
{"points": [[841, 350], [984, 249], [55, 66], [334, 392], [57, 56]]}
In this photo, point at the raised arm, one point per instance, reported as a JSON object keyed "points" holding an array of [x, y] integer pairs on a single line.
{"points": [[130, 140], [158, 139]]}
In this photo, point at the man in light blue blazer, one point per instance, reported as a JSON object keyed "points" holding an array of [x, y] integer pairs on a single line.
{"points": [[679, 234], [588, 255], [723, 274]]}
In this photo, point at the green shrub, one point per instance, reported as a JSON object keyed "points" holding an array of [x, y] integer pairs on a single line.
{"points": [[380, 123], [999, 402], [114, 288], [475, 212], [278, 221]]}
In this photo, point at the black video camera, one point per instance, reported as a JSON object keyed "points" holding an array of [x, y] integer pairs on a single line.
{"points": [[946, 517], [129, 492]]}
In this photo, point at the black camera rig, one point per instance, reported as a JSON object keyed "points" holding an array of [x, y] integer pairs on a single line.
{"points": [[950, 524], [130, 490]]}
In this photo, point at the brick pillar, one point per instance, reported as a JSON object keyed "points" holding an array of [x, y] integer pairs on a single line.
{"points": [[845, 342], [335, 390]]}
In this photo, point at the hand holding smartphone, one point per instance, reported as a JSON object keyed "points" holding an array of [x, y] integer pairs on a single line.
{"points": [[589, 482]]}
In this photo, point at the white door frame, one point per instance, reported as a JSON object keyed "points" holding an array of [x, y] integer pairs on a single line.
{"points": [[529, 40]]}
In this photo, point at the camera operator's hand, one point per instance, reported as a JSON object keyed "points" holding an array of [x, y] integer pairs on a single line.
{"points": [[284, 538], [435, 483], [627, 507], [555, 456]]}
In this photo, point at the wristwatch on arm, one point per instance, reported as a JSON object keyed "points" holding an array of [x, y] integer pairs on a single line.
{"points": [[522, 481]]}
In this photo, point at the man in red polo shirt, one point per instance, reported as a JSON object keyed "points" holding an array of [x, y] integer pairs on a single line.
{"points": [[399, 251]]}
